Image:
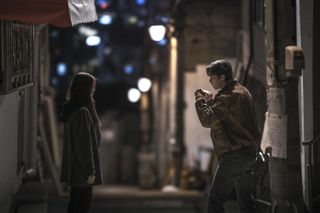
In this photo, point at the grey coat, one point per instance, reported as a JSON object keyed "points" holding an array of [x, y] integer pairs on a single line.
{"points": [[80, 157]]}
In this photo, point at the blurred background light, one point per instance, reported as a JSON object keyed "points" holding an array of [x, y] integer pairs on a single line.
{"points": [[144, 84], [153, 60], [106, 19], [93, 40], [142, 12], [141, 23], [87, 31], [54, 81], [134, 95], [61, 69], [108, 135], [163, 42], [132, 19], [54, 33], [103, 4], [164, 19], [157, 32], [107, 50], [140, 2], [128, 69]]}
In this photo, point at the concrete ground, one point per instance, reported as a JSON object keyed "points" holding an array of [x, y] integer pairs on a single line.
{"points": [[125, 199]]}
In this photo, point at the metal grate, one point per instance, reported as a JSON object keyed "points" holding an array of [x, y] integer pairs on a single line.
{"points": [[16, 58]]}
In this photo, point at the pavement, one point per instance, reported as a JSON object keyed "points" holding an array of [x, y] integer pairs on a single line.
{"points": [[125, 199]]}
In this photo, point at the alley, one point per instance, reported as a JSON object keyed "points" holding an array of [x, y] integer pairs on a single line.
{"points": [[120, 199], [150, 101]]}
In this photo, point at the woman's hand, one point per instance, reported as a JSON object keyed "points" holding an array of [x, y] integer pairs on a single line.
{"points": [[91, 179]]}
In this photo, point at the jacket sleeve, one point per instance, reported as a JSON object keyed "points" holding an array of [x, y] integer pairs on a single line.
{"points": [[211, 112], [82, 141]]}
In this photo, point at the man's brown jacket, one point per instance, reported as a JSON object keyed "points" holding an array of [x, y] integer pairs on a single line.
{"points": [[231, 117]]}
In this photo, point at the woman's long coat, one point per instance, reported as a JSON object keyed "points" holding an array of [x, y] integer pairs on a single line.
{"points": [[81, 141]]}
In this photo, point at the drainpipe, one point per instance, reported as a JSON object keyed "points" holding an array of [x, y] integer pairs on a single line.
{"points": [[34, 96], [246, 72]]}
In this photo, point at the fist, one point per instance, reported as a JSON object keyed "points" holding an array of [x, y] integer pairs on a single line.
{"points": [[208, 95], [199, 92], [205, 93], [91, 179]]}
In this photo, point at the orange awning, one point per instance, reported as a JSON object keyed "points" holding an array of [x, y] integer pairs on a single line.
{"points": [[59, 13]]}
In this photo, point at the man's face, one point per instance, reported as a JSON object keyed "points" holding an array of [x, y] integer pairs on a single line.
{"points": [[216, 82]]}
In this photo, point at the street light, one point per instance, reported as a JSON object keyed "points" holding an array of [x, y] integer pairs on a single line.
{"points": [[134, 95], [106, 19], [157, 32], [93, 40], [144, 84]]}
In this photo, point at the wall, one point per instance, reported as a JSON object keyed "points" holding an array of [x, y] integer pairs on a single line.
{"points": [[253, 58], [196, 136], [9, 179], [210, 30]]}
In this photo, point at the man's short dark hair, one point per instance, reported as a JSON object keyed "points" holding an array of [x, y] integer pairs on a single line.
{"points": [[220, 67]]}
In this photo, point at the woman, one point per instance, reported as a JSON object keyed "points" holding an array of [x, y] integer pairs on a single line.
{"points": [[80, 162]]}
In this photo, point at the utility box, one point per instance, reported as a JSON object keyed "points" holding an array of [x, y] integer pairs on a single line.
{"points": [[16, 56], [294, 61]]}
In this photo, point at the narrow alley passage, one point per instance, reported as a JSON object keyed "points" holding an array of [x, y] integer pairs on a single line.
{"points": [[121, 199], [176, 88]]}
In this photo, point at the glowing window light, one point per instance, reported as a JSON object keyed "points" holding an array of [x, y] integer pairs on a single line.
{"points": [[144, 84], [93, 40], [134, 95], [157, 32], [61, 69], [106, 19]]}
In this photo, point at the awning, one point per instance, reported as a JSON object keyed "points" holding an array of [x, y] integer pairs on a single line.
{"points": [[59, 13]]}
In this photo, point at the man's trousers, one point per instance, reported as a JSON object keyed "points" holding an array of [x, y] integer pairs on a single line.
{"points": [[233, 172]]}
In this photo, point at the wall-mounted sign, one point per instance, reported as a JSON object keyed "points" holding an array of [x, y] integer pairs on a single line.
{"points": [[275, 134]]}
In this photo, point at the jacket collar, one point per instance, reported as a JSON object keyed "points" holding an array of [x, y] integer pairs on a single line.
{"points": [[228, 84]]}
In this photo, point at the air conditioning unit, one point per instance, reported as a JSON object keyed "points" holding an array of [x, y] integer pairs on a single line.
{"points": [[16, 56]]}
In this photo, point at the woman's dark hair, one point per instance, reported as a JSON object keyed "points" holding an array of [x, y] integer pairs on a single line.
{"points": [[80, 94]]}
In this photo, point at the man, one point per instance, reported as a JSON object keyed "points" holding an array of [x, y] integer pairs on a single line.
{"points": [[234, 133]]}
